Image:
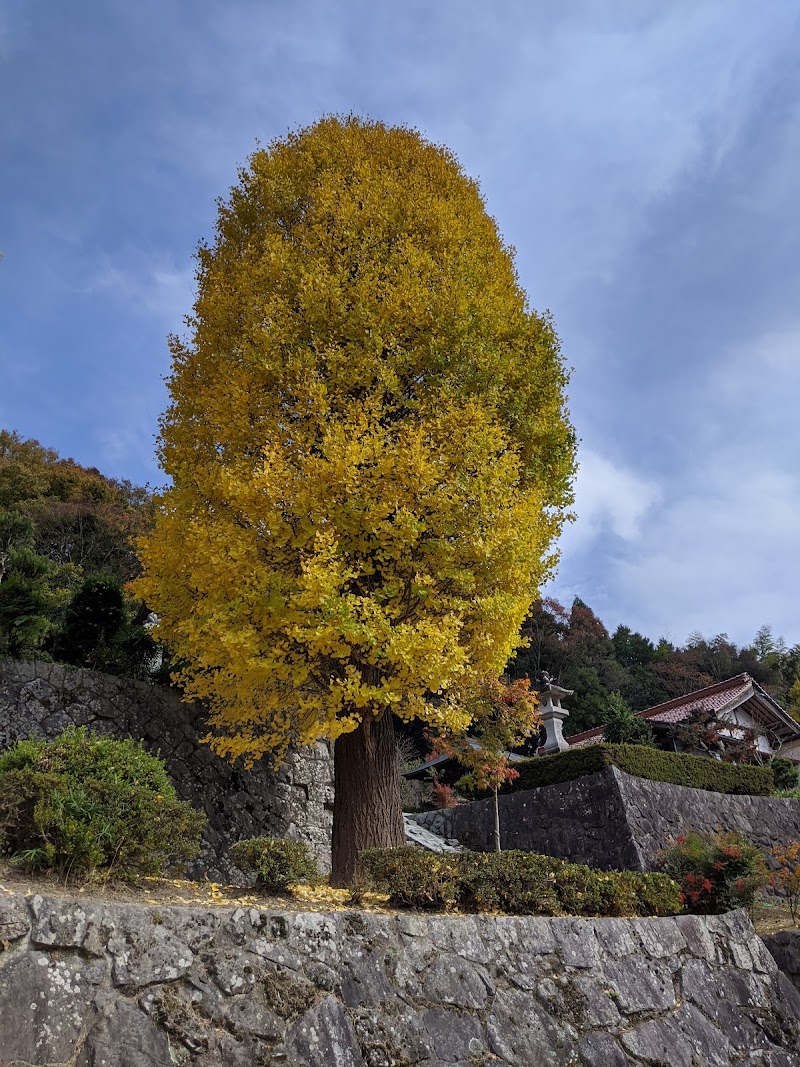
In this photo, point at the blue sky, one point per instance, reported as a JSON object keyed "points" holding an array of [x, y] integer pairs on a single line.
{"points": [[642, 157]]}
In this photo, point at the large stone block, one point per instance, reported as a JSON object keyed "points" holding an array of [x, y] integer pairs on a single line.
{"points": [[784, 947], [613, 820], [124, 985]]}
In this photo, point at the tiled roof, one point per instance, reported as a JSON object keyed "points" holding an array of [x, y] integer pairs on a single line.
{"points": [[437, 761], [712, 698], [588, 737]]}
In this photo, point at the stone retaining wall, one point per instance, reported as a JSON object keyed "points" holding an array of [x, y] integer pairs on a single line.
{"points": [[41, 699], [614, 820], [86, 983], [784, 946]]}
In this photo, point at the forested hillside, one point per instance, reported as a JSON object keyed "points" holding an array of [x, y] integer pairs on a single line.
{"points": [[575, 647], [66, 551]]}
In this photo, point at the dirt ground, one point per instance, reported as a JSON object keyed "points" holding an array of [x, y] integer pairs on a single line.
{"points": [[772, 914], [177, 891]]}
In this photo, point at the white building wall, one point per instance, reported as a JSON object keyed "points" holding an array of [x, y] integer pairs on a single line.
{"points": [[747, 722]]}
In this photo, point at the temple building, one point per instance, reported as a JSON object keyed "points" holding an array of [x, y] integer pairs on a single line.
{"points": [[738, 707], [711, 721]]}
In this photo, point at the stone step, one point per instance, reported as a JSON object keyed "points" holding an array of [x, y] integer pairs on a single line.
{"points": [[418, 835]]}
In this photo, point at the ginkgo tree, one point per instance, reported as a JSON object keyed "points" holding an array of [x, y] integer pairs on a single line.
{"points": [[370, 459]]}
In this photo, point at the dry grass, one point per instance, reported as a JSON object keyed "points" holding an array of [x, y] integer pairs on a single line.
{"points": [[182, 892], [772, 914]]}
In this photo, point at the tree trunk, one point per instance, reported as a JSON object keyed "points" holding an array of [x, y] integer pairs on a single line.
{"points": [[366, 808], [496, 822]]}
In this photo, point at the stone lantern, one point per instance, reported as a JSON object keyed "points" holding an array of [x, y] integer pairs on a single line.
{"points": [[552, 714]]}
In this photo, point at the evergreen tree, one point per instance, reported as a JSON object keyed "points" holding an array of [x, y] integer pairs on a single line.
{"points": [[621, 726]]}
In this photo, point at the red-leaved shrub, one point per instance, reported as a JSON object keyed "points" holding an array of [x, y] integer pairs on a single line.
{"points": [[715, 873]]}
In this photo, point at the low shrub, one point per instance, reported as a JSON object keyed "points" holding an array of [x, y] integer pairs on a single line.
{"points": [[578, 889], [678, 768], [657, 893], [277, 862], [716, 873], [520, 883], [82, 803], [515, 882], [413, 878]]}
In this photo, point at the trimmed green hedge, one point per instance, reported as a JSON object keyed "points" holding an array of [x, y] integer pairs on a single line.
{"points": [[277, 862], [515, 882], [699, 772]]}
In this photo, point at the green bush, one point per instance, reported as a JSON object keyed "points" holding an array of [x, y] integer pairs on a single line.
{"points": [[515, 882], [622, 726], [716, 873], [413, 878], [277, 862], [521, 883], [81, 804], [784, 772], [678, 768]]}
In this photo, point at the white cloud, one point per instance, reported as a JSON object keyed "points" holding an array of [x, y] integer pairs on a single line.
{"points": [[717, 560], [763, 373], [608, 498], [712, 544], [162, 292]]}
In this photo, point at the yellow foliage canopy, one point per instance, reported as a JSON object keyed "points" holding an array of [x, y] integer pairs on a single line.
{"points": [[367, 441]]}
